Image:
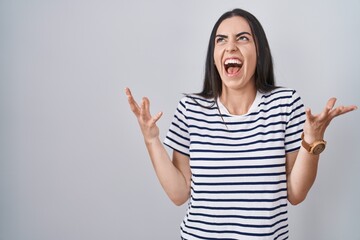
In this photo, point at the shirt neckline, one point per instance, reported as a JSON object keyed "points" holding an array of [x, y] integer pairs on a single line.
{"points": [[253, 107]]}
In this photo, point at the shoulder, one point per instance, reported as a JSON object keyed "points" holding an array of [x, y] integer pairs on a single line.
{"points": [[281, 98], [193, 100], [282, 94]]}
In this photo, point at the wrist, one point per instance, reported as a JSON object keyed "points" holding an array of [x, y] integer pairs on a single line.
{"points": [[312, 137], [314, 145], [151, 141]]}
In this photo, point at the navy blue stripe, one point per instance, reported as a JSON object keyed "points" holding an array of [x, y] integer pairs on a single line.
{"points": [[271, 94], [293, 149], [180, 136], [174, 141], [239, 158], [206, 114], [211, 106], [180, 120], [279, 106], [293, 141], [238, 151], [198, 98], [242, 122], [297, 116], [240, 175], [238, 167], [180, 128], [201, 237], [275, 107], [175, 149], [182, 104], [233, 232], [238, 224], [296, 109], [261, 200], [238, 130], [237, 138], [274, 99], [263, 110], [239, 144], [293, 133], [296, 125], [298, 99], [281, 235], [237, 183], [284, 205], [181, 112], [239, 216], [240, 191]]}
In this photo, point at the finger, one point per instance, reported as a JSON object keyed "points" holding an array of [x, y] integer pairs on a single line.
{"points": [[331, 103], [329, 106], [133, 104], [147, 105], [309, 115], [342, 110], [142, 108], [128, 92], [145, 109], [156, 117]]}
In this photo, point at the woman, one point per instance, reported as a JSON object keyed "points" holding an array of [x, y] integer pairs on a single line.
{"points": [[242, 148]]}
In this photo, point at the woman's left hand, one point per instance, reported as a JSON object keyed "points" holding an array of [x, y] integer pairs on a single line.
{"points": [[315, 125]]}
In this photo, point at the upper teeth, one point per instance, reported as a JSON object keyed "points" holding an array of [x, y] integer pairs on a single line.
{"points": [[233, 61]]}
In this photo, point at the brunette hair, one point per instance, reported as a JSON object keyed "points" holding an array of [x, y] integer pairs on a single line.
{"points": [[264, 73]]}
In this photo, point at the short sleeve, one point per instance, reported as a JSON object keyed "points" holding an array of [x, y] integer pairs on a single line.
{"points": [[295, 123], [178, 137]]}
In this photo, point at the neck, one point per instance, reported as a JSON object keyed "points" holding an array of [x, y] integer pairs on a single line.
{"points": [[238, 102]]}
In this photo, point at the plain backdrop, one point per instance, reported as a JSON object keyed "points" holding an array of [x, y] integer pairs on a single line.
{"points": [[72, 160]]}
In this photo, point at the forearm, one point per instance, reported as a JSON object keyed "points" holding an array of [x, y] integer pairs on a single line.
{"points": [[302, 176], [302, 170], [171, 179]]}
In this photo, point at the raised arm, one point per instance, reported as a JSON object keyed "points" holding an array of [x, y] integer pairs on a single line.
{"points": [[301, 166], [174, 175]]}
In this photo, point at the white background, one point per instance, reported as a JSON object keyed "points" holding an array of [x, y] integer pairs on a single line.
{"points": [[72, 160]]}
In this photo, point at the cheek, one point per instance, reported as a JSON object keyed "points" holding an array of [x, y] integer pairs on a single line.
{"points": [[253, 62], [252, 58], [217, 60]]}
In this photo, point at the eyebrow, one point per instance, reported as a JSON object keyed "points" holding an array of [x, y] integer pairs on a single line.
{"points": [[237, 35]]}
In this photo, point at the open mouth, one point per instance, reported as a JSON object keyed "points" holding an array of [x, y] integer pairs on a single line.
{"points": [[232, 66]]}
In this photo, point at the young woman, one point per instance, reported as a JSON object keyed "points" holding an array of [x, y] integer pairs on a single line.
{"points": [[242, 148]]}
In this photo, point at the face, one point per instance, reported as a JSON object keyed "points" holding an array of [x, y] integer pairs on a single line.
{"points": [[235, 53]]}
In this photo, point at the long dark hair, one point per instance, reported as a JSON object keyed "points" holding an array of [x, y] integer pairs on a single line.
{"points": [[264, 73]]}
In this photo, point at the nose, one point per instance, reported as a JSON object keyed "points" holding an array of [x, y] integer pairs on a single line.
{"points": [[231, 47]]}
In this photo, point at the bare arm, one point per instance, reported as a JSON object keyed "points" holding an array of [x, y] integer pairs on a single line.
{"points": [[301, 166], [174, 175], [301, 169]]}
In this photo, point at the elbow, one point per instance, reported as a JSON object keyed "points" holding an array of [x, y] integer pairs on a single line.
{"points": [[180, 196], [178, 201], [296, 200]]}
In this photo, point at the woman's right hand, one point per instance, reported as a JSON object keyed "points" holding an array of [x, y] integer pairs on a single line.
{"points": [[147, 122]]}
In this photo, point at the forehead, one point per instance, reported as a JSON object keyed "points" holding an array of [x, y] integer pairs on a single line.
{"points": [[233, 25]]}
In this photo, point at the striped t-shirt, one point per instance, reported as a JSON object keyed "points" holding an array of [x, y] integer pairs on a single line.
{"points": [[238, 184]]}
